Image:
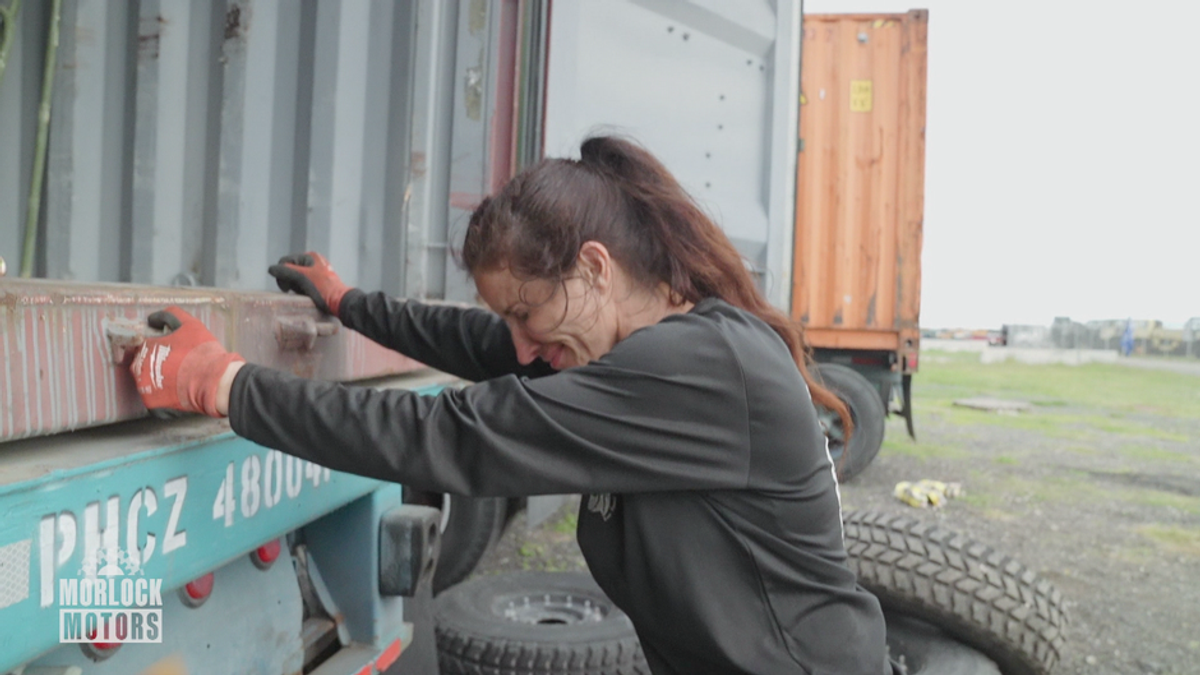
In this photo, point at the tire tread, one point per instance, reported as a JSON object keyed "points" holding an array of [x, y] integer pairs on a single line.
{"points": [[985, 599]]}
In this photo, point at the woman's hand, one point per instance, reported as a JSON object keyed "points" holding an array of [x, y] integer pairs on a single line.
{"points": [[310, 274], [185, 369]]}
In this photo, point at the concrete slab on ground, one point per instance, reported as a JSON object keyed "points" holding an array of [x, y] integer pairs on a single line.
{"points": [[999, 405]]}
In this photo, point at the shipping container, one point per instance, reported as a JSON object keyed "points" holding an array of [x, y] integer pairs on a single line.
{"points": [[856, 283]]}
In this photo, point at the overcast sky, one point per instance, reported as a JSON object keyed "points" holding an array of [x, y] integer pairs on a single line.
{"points": [[1062, 160]]}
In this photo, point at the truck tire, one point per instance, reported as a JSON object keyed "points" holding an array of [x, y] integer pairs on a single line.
{"points": [[527, 623], [975, 595], [922, 649], [470, 527], [866, 411]]}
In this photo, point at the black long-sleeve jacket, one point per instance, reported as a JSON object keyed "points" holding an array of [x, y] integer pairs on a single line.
{"points": [[711, 514]]}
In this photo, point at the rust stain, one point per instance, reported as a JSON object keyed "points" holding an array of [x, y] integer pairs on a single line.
{"points": [[148, 37], [233, 22], [58, 342]]}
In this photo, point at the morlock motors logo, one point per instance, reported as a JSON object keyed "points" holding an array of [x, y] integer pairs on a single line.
{"points": [[112, 601]]}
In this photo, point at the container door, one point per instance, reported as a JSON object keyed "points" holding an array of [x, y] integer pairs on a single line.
{"points": [[709, 87], [860, 196]]}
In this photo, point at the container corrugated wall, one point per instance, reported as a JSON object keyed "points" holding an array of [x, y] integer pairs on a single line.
{"points": [[860, 187], [193, 142]]}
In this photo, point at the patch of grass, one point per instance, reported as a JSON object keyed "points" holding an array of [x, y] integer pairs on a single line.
{"points": [[983, 501], [1113, 424], [1179, 539], [1050, 403], [1099, 385], [531, 550], [1162, 500], [1006, 460], [997, 514], [1141, 453], [567, 524], [1073, 488], [1050, 424], [902, 445], [1138, 555], [1053, 424]]}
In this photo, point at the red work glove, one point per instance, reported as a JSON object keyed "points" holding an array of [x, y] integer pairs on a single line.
{"points": [[180, 370], [310, 274]]}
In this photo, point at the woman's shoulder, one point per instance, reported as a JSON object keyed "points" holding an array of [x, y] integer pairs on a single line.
{"points": [[712, 333]]}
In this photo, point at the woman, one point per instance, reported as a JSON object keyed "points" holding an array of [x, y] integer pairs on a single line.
{"points": [[629, 358]]}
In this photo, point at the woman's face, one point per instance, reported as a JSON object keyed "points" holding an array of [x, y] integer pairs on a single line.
{"points": [[565, 323]]}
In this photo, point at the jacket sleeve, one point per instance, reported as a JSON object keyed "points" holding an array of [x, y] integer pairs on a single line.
{"points": [[605, 427], [467, 342]]}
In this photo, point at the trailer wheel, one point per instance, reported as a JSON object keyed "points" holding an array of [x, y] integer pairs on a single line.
{"points": [[534, 622], [975, 595], [866, 411], [470, 526]]}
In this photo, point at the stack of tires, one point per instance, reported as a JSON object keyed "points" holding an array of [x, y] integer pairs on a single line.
{"points": [[954, 607]]}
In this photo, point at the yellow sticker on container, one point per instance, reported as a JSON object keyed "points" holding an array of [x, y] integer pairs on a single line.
{"points": [[860, 96]]}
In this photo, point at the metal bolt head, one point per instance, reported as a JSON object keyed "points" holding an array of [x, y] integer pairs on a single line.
{"points": [[862, 37]]}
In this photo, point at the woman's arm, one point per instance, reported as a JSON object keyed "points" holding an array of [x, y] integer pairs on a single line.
{"points": [[467, 342], [611, 426]]}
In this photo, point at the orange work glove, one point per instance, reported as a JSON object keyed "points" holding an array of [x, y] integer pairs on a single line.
{"points": [[310, 274], [180, 370]]}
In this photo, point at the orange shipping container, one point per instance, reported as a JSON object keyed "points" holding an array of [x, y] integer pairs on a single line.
{"points": [[860, 183]]}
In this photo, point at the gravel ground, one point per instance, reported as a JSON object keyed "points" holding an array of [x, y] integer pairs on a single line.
{"points": [[1105, 506]]}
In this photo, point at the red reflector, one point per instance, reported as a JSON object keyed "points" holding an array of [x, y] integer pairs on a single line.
{"points": [[200, 588], [389, 656], [912, 361], [98, 645], [268, 552]]}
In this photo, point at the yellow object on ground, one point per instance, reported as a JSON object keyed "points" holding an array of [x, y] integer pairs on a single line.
{"points": [[926, 492]]}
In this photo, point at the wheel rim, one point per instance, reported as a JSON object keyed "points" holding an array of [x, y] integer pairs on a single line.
{"points": [[548, 609], [835, 431]]}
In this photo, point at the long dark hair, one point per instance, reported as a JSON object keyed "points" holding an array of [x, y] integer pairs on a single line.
{"points": [[620, 195]]}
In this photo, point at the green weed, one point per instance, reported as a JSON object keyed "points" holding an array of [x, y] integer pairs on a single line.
{"points": [[1179, 539], [567, 524], [531, 550]]}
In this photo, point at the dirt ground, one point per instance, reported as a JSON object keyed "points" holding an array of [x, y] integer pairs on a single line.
{"points": [[1102, 500]]}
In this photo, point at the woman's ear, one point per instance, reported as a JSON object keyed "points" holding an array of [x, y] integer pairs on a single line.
{"points": [[595, 265]]}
